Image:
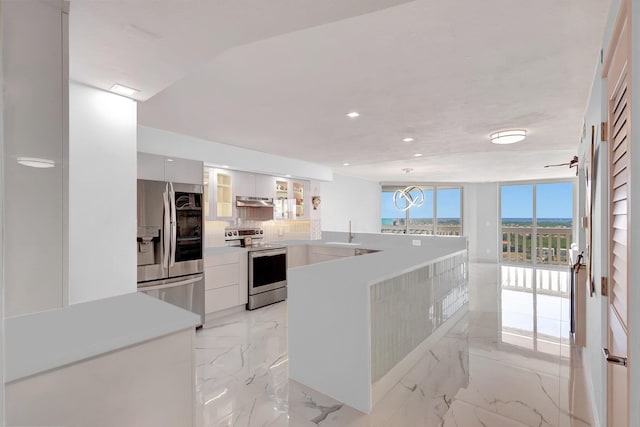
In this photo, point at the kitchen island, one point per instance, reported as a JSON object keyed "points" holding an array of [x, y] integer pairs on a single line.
{"points": [[357, 324], [125, 360]]}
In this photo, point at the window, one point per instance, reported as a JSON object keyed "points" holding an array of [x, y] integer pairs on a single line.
{"points": [[440, 212], [537, 222]]}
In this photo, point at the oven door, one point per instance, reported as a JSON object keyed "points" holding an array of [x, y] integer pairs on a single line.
{"points": [[267, 270]]}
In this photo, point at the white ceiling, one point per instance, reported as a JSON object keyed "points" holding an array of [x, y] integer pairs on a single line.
{"points": [[281, 79]]}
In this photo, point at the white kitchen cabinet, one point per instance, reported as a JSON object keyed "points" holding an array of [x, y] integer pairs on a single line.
{"points": [[301, 200], [282, 199], [244, 184], [225, 281], [221, 194], [164, 168], [265, 186], [297, 256], [183, 170], [150, 166], [291, 198]]}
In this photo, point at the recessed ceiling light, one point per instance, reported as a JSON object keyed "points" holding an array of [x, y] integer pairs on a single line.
{"points": [[288, 176], [417, 155], [408, 139], [225, 166], [345, 164], [123, 90], [353, 114], [35, 162], [169, 160], [508, 136]]}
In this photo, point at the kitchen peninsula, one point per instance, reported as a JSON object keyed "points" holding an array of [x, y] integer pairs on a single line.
{"points": [[119, 361], [356, 324]]}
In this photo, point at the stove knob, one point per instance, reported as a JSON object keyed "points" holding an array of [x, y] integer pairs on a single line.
{"points": [[228, 233], [235, 233], [261, 231]]}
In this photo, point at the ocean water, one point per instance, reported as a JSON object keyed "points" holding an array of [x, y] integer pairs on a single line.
{"points": [[549, 222]]}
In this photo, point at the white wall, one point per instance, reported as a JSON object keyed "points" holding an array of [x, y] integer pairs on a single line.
{"points": [[102, 194], [156, 141], [350, 199], [34, 110], [480, 220], [595, 305]]}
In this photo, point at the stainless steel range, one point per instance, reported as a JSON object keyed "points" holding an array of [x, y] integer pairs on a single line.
{"points": [[267, 265]]}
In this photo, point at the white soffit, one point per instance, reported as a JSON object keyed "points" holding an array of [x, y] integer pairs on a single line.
{"points": [[150, 44]]}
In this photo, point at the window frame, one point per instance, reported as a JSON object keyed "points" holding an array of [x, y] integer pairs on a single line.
{"points": [[425, 186]]}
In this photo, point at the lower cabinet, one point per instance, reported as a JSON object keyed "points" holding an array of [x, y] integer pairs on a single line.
{"points": [[297, 256], [225, 280]]}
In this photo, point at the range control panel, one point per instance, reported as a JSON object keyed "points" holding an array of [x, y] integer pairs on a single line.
{"points": [[238, 233]]}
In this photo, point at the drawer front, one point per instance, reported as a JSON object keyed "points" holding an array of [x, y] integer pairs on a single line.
{"points": [[220, 276], [222, 298], [230, 258]]}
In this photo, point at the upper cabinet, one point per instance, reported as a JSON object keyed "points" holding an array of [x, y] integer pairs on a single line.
{"points": [[265, 186], [182, 170], [282, 200], [245, 184], [221, 195], [166, 168], [290, 199], [223, 186], [299, 189]]}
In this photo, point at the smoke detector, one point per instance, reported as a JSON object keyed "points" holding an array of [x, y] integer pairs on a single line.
{"points": [[407, 170]]}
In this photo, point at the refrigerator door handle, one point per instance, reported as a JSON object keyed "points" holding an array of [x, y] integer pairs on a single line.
{"points": [[170, 285], [172, 200], [166, 238]]}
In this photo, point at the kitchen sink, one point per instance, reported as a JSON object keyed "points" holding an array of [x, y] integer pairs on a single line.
{"points": [[362, 251], [343, 243]]}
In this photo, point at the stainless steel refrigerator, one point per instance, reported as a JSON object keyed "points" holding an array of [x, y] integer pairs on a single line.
{"points": [[170, 243]]}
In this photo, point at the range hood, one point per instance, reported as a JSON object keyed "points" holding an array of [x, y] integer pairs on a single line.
{"points": [[254, 202]]}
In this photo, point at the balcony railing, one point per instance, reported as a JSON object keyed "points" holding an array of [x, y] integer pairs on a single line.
{"points": [[443, 229], [551, 282], [552, 244]]}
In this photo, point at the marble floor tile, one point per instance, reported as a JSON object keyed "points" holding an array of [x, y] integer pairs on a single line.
{"points": [[507, 362]]}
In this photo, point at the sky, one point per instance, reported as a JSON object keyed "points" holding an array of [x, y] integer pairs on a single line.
{"points": [[554, 200], [448, 205]]}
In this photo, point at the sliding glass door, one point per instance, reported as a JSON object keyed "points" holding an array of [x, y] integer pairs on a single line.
{"points": [[537, 222]]}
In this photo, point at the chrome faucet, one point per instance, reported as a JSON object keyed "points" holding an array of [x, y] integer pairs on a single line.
{"points": [[351, 236]]}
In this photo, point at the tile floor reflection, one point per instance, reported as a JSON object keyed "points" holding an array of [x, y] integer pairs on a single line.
{"points": [[508, 362]]}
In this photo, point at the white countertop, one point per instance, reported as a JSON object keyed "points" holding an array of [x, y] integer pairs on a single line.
{"points": [[376, 267], [397, 255], [39, 342]]}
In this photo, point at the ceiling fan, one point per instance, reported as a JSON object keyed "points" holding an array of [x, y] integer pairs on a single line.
{"points": [[573, 162]]}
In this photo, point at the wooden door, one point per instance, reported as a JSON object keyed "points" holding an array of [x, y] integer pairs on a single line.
{"points": [[617, 71]]}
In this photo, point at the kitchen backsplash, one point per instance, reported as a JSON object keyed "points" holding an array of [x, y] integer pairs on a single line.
{"points": [[273, 230]]}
